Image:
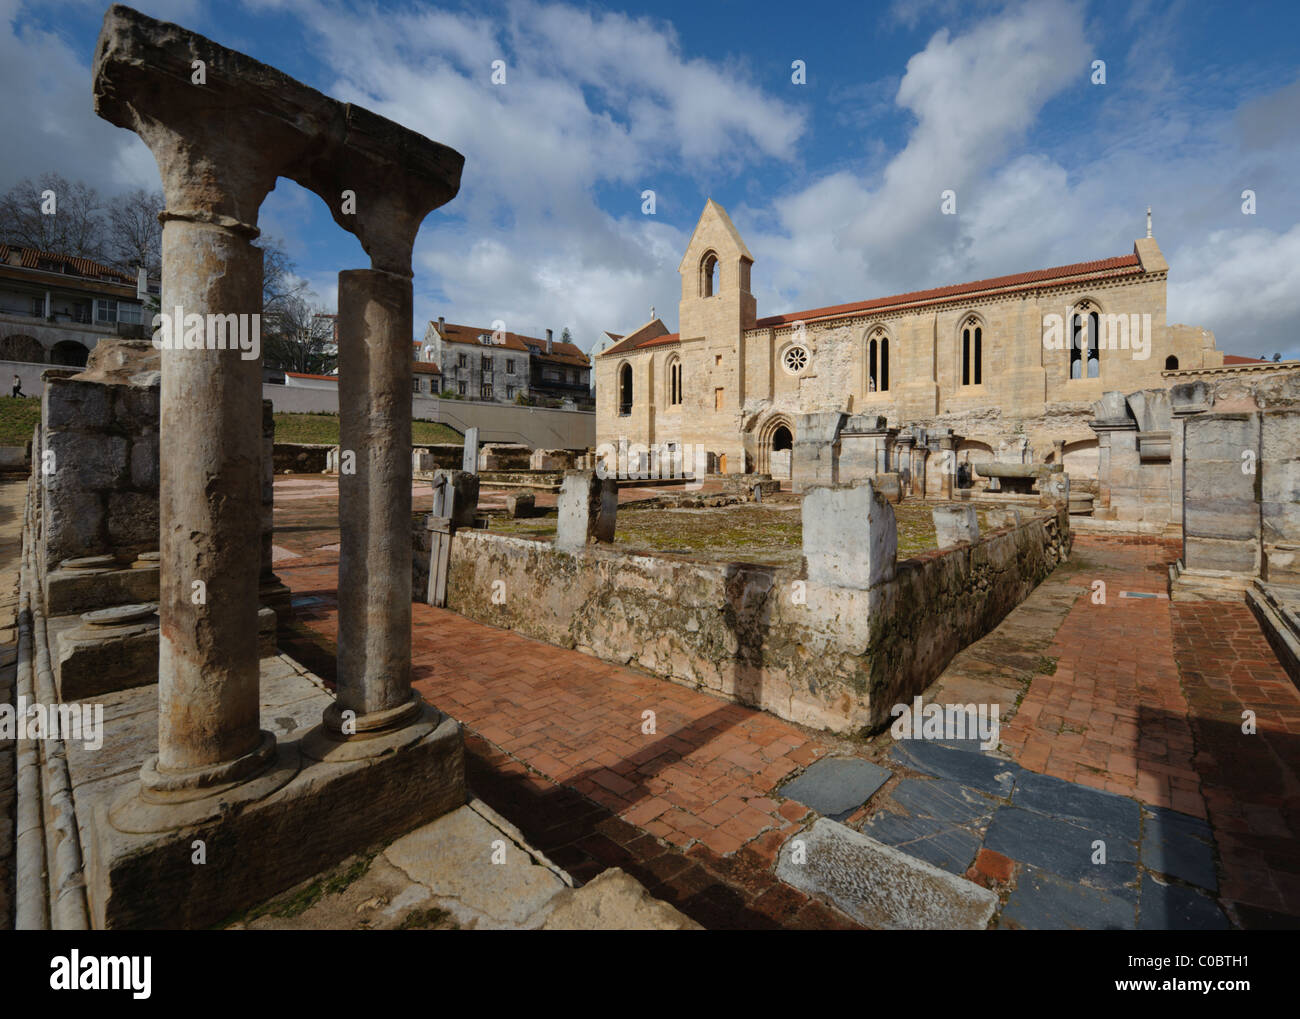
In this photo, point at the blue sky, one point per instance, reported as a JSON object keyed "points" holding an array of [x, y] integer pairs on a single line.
{"points": [[834, 184]]}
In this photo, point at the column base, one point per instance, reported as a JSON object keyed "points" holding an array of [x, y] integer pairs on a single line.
{"points": [[374, 735], [162, 801]]}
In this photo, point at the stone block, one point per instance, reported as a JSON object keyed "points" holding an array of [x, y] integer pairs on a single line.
{"points": [[469, 461], [850, 536], [71, 591], [956, 524], [72, 403], [324, 813], [614, 901], [132, 521], [880, 886], [87, 460], [144, 463], [520, 505], [455, 495], [836, 786], [588, 508]]}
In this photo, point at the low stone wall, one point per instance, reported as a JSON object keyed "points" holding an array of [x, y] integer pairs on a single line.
{"points": [[831, 657], [301, 457]]}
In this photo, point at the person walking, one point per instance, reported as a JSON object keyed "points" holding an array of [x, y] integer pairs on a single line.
{"points": [[17, 388]]}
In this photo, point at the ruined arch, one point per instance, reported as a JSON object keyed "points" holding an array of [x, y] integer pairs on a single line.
{"points": [[21, 347], [69, 353]]}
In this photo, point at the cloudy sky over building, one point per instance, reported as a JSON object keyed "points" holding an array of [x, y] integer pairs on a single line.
{"points": [[835, 184]]}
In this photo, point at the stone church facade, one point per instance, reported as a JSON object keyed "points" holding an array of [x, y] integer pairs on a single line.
{"points": [[1011, 366]]}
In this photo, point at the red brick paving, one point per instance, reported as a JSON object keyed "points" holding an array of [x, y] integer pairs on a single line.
{"points": [[1113, 715], [555, 742], [1147, 701]]}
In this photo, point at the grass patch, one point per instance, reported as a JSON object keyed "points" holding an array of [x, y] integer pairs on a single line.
{"points": [[1045, 666], [324, 428], [745, 533], [18, 419], [298, 901], [427, 919]]}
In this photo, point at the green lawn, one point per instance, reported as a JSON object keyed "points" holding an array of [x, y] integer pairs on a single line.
{"points": [[324, 428], [18, 418]]}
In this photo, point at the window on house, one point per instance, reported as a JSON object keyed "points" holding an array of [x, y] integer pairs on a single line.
{"points": [[718, 401], [972, 354], [462, 360], [485, 391], [487, 363], [1171, 363], [1085, 356], [105, 311], [675, 383], [510, 365], [510, 392], [415, 385], [878, 365], [130, 312], [460, 389], [625, 390]]}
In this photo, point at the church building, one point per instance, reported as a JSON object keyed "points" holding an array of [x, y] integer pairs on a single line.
{"points": [[1014, 360]]}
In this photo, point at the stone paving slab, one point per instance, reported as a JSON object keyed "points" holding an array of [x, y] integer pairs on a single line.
{"points": [[1180, 846], [1045, 901], [935, 841], [880, 886], [1174, 907], [1064, 849], [1100, 811], [945, 800], [979, 771], [836, 786]]}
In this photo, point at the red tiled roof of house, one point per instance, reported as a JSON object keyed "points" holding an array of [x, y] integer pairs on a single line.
{"points": [[305, 375], [30, 258], [561, 352], [1238, 359], [426, 368]]}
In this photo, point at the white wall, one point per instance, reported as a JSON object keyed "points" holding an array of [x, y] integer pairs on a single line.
{"points": [[538, 427]]}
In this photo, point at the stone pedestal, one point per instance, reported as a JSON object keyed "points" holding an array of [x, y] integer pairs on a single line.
{"points": [[955, 525], [850, 536], [588, 508]]}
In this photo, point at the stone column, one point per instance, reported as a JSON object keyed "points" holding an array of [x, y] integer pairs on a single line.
{"points": [[374, 647], [948, 463], [210, 511]]}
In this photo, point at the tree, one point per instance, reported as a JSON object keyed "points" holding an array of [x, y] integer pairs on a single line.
{"points": [[134, 233], [566, 336], [280, 283], [299, 337], [55, 215]]}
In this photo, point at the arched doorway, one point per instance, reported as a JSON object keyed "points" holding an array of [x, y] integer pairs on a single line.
{"points": [[775, 447], [69, 353], [781, 451]]}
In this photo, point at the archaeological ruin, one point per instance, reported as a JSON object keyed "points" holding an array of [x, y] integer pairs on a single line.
{"points": [[877, 616]]}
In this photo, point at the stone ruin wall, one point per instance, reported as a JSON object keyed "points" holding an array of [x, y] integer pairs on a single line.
{"points": [[838, 661]]}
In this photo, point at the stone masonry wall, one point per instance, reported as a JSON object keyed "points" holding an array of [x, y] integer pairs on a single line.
{"points": [[99, 468], [830, 657]]}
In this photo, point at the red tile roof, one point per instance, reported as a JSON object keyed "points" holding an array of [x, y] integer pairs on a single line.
{"points": [[1121, 265], [939, 294], [305, 375], [561, 352], [31, 259], [1238, 359]]}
